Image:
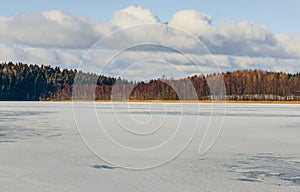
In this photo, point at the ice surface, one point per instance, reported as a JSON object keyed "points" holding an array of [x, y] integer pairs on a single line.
{"points": [[41, 148]]}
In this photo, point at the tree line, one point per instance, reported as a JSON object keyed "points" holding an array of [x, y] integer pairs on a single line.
{"points": [[23, 82]]}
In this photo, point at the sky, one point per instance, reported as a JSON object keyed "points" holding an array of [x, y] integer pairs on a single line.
{"points": [[202, 35], [279, 16]]}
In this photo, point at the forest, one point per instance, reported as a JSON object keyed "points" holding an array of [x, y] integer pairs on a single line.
{"points": [[27, 82]]}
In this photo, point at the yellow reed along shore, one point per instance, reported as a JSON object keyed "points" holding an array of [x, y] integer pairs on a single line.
{"points": [[189, 101]]}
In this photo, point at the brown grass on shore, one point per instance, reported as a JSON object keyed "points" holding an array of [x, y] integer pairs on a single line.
{"points": [[190, 101]]}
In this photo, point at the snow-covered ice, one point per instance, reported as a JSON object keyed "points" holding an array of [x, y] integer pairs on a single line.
{"points": [[43, 149]]}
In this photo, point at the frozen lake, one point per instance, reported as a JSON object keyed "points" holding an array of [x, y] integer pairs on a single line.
{"points": [[50, 147]]}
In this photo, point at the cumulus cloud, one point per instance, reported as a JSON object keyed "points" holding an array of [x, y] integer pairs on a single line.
{"points": [[291, 43], [48, 29], [7, 53], [192, 22], [58, 38], [245, 39], [133, 16]]}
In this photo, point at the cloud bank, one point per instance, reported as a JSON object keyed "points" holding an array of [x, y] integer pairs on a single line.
{"points": [[58, 38]]}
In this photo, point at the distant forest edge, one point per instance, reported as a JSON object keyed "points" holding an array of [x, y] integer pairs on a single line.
{"points": [[23, 82]]}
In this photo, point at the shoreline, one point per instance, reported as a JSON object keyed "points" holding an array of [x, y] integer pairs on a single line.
{"points": [[179, 101]]}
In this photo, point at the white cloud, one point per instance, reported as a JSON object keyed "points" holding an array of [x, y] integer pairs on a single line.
{"points": [[133, 16], [8, 53], [47, 29], [38, 55], [58, 38], [291, 43], [193, 22]]}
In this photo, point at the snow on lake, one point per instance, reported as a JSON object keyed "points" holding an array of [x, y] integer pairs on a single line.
{"points": [[148, 147]]}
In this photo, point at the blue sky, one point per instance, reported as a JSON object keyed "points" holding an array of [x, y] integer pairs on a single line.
{"points": [[279, 16], [257, 34]]}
